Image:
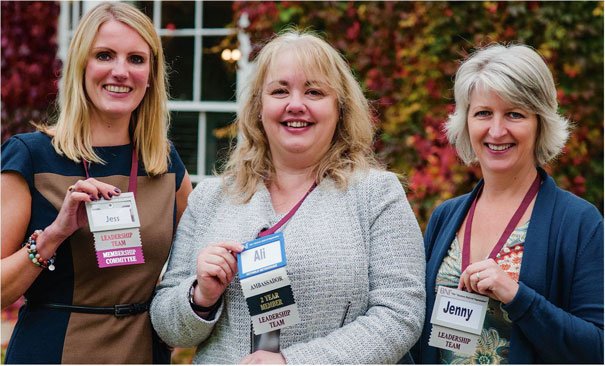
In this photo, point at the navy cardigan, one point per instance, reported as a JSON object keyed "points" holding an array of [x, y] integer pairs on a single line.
{"points": [[557, 313]]}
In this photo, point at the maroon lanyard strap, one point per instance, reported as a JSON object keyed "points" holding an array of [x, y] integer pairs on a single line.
{"points": [[288, 216], [512, 224], [134, 167]]}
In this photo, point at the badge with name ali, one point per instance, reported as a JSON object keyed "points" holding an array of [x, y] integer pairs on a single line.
{"points": [[457, 320], [265, 284], [115, 227]]}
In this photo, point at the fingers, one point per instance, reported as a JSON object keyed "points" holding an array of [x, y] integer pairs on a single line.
{"points": [[219, 261], [474, 274], [94, 189]]}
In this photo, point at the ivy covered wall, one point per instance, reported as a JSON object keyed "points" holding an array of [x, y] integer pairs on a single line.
{"points": [[405, 55], [30, 68]]}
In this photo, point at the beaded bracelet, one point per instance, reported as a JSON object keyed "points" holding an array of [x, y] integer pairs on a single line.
{"points": [[34, 256]]}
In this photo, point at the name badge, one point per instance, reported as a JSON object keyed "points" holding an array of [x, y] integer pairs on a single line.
{"points": [[115, 227], [265, 284], [457, 320], [261, 255]]}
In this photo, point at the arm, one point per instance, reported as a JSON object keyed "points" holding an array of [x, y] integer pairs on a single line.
{"points": [[576, 335], [181, 196], [171, 314], [18, 273], [395, 314]]}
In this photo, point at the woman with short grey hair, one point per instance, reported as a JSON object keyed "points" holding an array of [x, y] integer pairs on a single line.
{"points": [[534, 250]]}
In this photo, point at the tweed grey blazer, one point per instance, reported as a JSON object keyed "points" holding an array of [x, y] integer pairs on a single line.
{"points": [[355, 253]]}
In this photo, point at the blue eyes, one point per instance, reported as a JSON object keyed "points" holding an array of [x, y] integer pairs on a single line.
{"points": [[103, 56], [311, 92], [107, 56], [486, 113]]}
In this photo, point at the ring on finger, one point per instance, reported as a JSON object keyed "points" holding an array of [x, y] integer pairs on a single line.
{"points": [[478, 276], [71, 188]]}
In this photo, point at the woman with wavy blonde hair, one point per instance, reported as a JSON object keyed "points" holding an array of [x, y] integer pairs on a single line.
{"points": [[112, 112], [351, 147], [303, 168]]}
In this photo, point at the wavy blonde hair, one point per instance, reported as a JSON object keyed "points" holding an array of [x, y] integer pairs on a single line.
{"points": [[149, 121], [520, 76], [250, 163]]}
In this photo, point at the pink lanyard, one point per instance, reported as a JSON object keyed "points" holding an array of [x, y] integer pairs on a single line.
{"points": [[288, 216], [134, 167], [512, 224]]}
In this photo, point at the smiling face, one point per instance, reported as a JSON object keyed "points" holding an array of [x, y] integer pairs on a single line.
{"points": [[299, 113], [503, 136], [117, 71]]}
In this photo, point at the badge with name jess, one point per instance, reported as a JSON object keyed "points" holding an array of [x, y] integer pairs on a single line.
{"points": [[265, 284], [115, 227], [457, 320]]}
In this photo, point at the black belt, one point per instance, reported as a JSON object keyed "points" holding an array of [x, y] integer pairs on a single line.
{"points": [[118, 311]]}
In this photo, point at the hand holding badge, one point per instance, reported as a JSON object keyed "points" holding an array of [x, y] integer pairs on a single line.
{"points": [[115, 226], [265, 283]]}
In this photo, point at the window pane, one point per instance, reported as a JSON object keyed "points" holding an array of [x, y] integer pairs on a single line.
{"points": [[218, 140], [179, 57], [146, 7], [178, 14], [218, 76], [183, 133], [217, 14]]}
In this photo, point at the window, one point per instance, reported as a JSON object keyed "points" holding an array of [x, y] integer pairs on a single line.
{"points": [[204, 71]]}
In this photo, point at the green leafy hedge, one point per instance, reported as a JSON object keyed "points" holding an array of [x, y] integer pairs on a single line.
{"points": [[405, 54]]}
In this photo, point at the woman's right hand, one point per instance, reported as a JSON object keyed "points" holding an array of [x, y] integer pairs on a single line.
{"points": [[216, 268], [72, 215]]}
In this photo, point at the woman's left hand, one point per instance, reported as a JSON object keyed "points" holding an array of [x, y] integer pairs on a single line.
{"points": [[264, 357], [487, 278]]}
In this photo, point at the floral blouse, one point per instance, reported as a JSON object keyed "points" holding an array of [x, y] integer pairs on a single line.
{"points": [[494, 344]]}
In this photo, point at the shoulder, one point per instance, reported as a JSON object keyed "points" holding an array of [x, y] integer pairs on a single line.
{"points": [[572, 210], [208, 192], [375, 180], [176, 164], [31, 141], [451, 205]]}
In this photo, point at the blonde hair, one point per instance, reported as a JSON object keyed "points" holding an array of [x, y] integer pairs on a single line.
{"points": [[520, 76], [150, 120], [250, 162]]}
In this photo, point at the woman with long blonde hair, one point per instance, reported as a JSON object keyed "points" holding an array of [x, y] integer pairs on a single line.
{"points": [[110, 138]]}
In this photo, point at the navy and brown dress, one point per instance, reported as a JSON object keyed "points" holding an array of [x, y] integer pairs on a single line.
{"points": [[44, 335]]}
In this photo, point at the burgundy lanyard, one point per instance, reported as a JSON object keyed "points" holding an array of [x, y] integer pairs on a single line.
{"points": [[512, 224], [288, 216], [134, 167]]}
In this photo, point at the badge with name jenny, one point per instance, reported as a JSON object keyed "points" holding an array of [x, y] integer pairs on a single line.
{"points": [[115, 227], [457, 320]]}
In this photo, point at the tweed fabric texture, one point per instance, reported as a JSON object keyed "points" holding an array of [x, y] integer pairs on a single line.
{"points": [[360, 245]]}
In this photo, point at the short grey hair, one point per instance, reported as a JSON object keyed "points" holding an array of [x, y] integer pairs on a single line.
{"points": [[520, 76]]}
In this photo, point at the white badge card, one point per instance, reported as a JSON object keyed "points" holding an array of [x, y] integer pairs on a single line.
{"points": [[457, 319], [115, 227], [120, 212], [261, 255], [265, 284]]}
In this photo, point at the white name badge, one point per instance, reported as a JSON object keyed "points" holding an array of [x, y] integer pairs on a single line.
{"points": [[457, 319], [118, 213], [265, 284], [115, 227], [261, 255]]}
